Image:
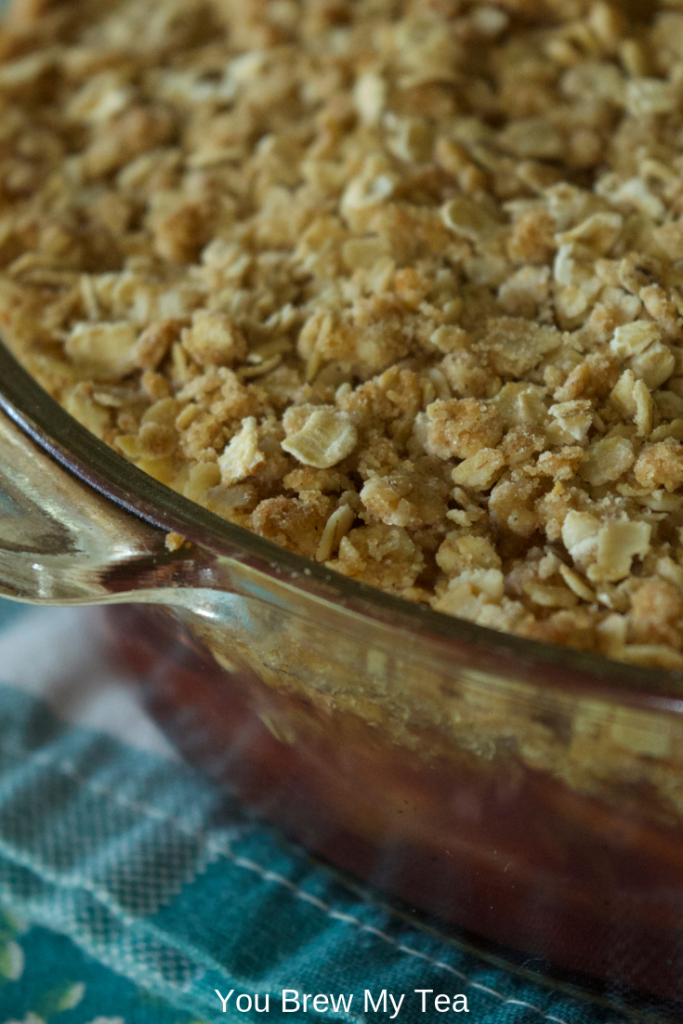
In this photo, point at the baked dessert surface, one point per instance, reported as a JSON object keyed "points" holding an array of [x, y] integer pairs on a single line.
{"points": [[397, 286]]}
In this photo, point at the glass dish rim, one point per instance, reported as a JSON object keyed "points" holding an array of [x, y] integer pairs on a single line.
{"points": [[40, 416]]}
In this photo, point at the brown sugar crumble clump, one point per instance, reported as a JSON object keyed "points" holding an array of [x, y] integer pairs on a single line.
{"points": [[397, 284]]}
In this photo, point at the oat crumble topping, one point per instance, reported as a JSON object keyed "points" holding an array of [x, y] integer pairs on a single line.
{"points": [[397, 284]]}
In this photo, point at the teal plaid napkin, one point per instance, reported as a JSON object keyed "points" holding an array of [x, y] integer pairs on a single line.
{"points": [[135, 891]]}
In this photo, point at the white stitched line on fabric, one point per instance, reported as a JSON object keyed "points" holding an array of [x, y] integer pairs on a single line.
{"points": [[338, 915], [529, 1006], [251, 865], [224, 850], [491, 991]]}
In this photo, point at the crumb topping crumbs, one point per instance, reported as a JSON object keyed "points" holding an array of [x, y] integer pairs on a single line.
{"points": [[395, 284]]}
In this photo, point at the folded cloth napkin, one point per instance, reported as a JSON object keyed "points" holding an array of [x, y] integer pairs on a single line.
{"points": [[136, 892]]}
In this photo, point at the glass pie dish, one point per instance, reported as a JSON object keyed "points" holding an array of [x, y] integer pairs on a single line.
{"points": [[529, 795]]}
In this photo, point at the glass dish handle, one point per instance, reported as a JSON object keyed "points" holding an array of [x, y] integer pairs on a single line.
{"points": [[63, 543]]}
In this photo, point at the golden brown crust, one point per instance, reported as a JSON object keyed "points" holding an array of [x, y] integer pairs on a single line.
{"points": [[397, 286], [23, 14]]}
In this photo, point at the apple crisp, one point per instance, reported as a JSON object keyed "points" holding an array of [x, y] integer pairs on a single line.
{"points": [[396, 284]]}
